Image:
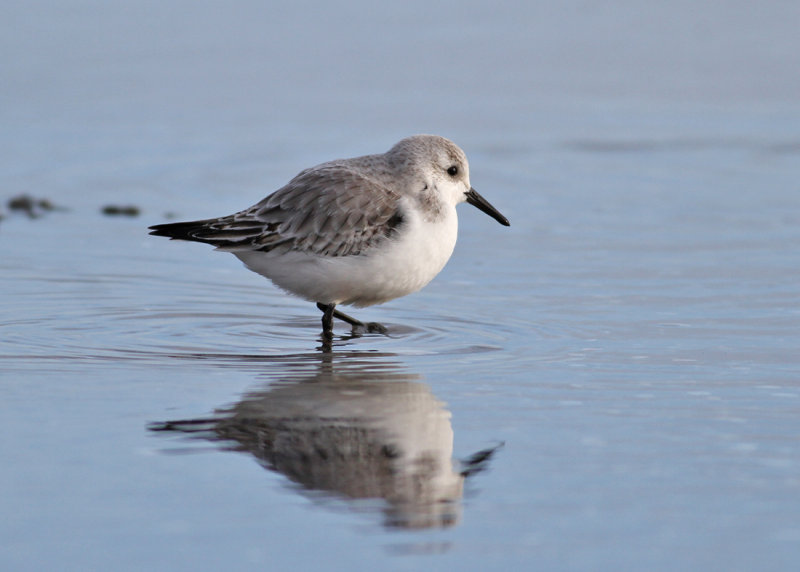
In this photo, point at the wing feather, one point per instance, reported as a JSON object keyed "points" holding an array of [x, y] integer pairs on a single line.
{"points": [[330, 210]]}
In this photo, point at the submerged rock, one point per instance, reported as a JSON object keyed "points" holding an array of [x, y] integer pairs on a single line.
{"points": [[31, 206], [118, 210]]}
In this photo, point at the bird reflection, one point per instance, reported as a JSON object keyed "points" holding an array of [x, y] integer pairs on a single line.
{"points": [[355, 429]]}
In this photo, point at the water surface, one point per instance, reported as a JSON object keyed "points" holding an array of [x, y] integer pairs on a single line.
{"points": [[631, 339]]}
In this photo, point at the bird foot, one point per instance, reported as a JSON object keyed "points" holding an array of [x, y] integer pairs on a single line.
{"points": [[375, 328], [330, 312]]}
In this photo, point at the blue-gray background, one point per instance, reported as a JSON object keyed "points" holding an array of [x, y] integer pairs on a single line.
{"points": [[632, 338]]}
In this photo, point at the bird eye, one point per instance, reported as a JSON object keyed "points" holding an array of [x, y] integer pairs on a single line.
{"points": [[452, 171]]}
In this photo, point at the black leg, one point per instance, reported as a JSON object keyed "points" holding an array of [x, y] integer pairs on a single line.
{"points": [[327, 319], [349, 319], [371, 327]]}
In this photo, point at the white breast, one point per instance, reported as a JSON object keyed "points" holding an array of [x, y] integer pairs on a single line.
{"points": [[395, 268]]}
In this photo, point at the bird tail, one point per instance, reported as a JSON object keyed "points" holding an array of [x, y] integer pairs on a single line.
{"points": [[196, 231], [226, 233]]}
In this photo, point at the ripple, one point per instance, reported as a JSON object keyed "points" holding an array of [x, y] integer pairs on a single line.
{"points": [[139, 318]]}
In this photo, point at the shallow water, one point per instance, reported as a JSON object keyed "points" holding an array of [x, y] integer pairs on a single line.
{"points": [[627, 349]]}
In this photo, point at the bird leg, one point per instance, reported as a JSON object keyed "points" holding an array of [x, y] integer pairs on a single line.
{"points": [[327, 319], [371, 327]]}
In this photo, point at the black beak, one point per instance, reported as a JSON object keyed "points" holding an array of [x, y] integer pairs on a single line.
{"points": [[476, 200]]}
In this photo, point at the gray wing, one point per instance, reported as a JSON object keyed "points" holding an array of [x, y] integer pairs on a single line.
{"points": [[329, 210]]}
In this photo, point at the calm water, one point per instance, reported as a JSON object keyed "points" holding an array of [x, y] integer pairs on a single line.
{"points": [[631, 340]]}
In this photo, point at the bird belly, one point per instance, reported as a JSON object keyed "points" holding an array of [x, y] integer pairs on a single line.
{"points": [[393, 268]]}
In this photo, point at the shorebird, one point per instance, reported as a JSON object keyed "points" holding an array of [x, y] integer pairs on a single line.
{"points": [[357, 231]]}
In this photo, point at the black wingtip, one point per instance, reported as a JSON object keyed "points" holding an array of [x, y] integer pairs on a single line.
{"points": [[176, 230], [157, 230]]}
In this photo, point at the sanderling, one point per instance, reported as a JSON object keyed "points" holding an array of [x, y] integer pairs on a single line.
{"points": [[357, 231]]}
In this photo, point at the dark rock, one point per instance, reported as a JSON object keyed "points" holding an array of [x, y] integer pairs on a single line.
{"points": [[121, 210]]}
